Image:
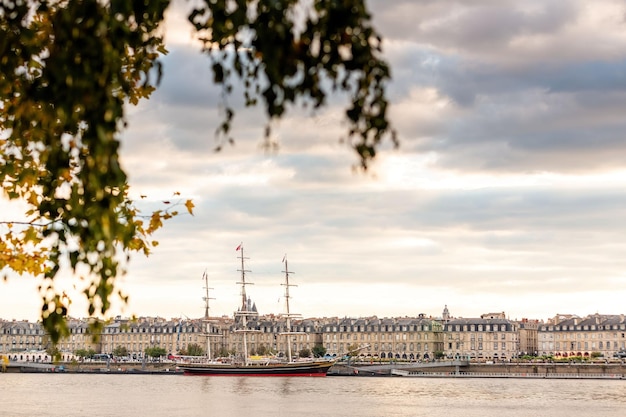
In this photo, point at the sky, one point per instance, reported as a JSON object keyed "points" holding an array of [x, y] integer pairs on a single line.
{"points": [[507, 193]]}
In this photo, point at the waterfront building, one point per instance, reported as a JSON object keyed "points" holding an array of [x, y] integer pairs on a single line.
{"points": [[490, 337], [596, 335], [387, 338], [139, 334], [528, 340], [21, 336], [79, 339], [268, 335]]}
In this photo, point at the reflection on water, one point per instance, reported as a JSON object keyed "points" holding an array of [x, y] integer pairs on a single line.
{"points": [[72, 395]]}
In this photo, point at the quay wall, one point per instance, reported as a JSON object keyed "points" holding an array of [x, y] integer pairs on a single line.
{"points": [[73, 367], [525, 369], [549, 368]]}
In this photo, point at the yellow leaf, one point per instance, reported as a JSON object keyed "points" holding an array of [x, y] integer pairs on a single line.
{"points": [[155, 222], [190, 206]]}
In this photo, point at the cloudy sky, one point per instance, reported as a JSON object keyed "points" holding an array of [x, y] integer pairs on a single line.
{"points": [[508, 192]]}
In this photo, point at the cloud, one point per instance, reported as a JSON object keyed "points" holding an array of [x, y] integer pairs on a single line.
{"points": [[506, 194], [509, 87]]}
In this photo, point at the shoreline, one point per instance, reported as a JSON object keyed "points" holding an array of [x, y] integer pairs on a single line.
{"points": [[612, 371], [459, 369]]}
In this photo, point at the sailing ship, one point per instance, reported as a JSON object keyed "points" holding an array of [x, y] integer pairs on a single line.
{"points": [[266, 366]]}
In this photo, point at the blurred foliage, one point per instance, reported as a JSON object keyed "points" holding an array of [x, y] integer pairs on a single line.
{"points": [[285, 50], [68, 68], [224, 353], [262, 350], [85, 353], [120, 351], [155, 352], [54, 353], [193, 349], [318, 351]]}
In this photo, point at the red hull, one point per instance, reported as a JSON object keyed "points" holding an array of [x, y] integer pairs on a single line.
{"points": [[289, 369]]}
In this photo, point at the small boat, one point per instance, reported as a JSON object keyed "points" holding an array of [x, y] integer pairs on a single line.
{"points": [[261, 366]]}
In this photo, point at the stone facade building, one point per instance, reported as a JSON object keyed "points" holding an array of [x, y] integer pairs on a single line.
{"points": [[490, 337], [21, 336], [387, 338], [594, 335], [528, 343], [146, 332]]}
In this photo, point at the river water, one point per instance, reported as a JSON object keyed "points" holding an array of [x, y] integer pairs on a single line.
{"points": [[74, 395]]}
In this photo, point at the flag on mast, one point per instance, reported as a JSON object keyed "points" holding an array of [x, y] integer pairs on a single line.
{"points": [[284, 257], [239, 247]]}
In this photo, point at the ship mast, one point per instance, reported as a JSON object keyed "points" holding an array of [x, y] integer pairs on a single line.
{"points": [[288, 315], [206, 299], [244, 312]]}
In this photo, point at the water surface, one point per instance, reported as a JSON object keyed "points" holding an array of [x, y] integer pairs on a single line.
{"points": [[74, 395]]}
